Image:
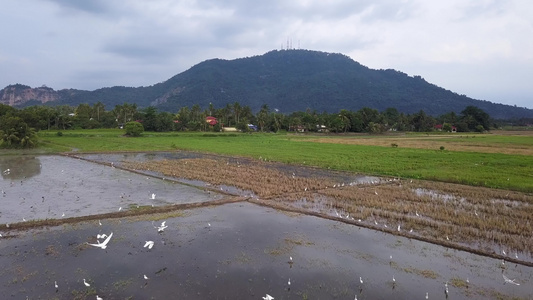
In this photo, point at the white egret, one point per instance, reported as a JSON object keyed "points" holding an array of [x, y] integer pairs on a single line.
{"points": [[104, 244], [162, 227], [99, 223], [85, 282], [101, 236], [289, 283], [268, 297], [416, 212], [516, 255], [63, 215], [55, 285], [153, 196], [360, 280], [398, 227], [98, 298], [120, 208], [507, 280], [145, 277], [427, 295], [503, 252], [149, 244]]}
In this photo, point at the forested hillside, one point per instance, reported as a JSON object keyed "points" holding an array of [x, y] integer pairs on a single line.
{"points": [[287, 80]]}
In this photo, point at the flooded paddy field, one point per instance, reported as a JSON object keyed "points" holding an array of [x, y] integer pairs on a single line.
{"points": [[50, 187], [244, 254], [324, 221]]}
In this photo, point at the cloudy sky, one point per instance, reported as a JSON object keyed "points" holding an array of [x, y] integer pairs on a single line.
{"points": [[481, 48]]}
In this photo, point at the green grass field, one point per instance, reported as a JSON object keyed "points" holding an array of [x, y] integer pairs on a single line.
{"points": [[505, 171]]}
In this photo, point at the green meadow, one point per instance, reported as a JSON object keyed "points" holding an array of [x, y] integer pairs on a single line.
{"points": [[495, 170]]}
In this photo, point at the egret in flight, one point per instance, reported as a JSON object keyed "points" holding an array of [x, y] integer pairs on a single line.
{"points": [[149, 244], [160, 228], [507, 280], [104, 244]]}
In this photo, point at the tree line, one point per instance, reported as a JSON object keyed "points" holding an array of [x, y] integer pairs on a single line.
{"points": [[18, 127]]}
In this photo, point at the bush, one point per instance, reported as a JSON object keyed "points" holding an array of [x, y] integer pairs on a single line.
{"points": [[441, 148], [59, 133], [134, 128]]}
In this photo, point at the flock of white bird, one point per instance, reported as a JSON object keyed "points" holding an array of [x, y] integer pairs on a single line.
{"points": [[103, 244], [149, 244]]}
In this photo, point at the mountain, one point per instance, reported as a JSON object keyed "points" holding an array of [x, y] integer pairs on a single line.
{"points": [[289, 80]]}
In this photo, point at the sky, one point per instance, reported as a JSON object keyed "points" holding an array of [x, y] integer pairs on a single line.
{"points": [[479, 48]]}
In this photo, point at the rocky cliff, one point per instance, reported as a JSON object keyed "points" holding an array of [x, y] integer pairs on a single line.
{"points": [[18, 94]]}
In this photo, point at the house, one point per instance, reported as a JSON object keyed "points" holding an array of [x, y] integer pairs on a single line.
{"points": [[211, 120], [321, 128], [297, 128], [438, 127]]}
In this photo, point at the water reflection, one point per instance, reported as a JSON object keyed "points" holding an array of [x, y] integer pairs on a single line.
{"points": [[19, 167]]}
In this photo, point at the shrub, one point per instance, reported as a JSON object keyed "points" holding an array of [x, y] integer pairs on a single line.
{"points": [[59, 133], [134, 128], [441, 148]]}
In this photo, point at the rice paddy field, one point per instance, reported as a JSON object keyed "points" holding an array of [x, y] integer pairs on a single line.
{"points": [[500, 160], [431, 213]]}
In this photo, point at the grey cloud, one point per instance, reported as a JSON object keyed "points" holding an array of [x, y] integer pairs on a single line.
{"points": [[390, 11], [89, 6], [493, 7]]}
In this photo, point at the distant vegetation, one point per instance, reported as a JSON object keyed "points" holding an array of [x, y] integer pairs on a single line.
{"points": [[17, 126], [288, 80]]}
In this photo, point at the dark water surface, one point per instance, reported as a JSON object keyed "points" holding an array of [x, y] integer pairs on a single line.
{"points": [[243, 255]]}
